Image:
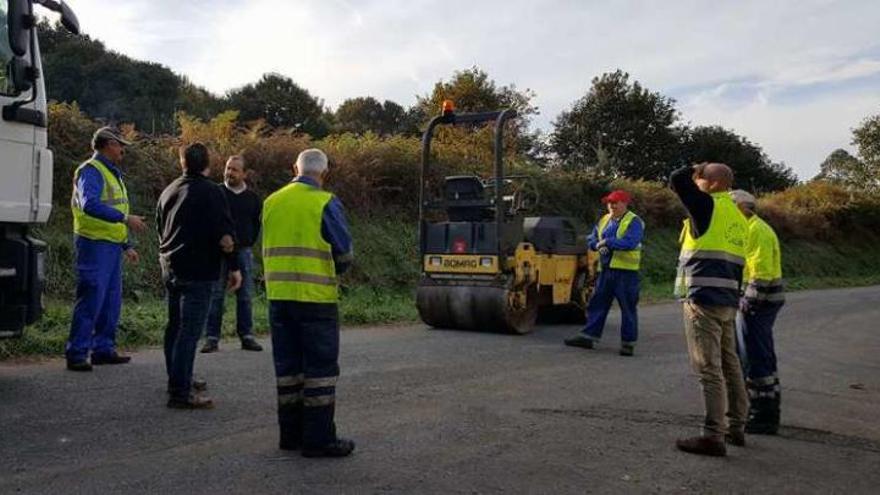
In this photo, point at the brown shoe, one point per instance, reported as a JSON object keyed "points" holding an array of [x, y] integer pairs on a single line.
{"points": [[702, 445], [193, 402], [736, 438]]}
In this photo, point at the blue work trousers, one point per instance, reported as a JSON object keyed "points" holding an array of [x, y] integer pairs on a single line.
{"points": [[755, 338], [611, 284], [98, 299], [243, 312], [305, 348], [188, 304]]}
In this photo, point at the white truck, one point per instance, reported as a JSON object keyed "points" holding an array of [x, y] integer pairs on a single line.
{"points": [[25, 162]]}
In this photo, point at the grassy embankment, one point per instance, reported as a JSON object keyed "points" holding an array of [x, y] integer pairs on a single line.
{"points": [[380, 288]]}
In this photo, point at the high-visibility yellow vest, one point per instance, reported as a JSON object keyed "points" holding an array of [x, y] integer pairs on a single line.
{"points": [[113, 194], [623, 260], [297, 261], [763, 270], [710, 266]]}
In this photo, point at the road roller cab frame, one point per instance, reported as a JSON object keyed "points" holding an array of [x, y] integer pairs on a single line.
{"points": [[486, 267]]}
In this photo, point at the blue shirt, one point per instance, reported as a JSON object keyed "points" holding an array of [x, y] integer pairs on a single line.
{"points": [[88, 192], [630, 240], [334, 229]]}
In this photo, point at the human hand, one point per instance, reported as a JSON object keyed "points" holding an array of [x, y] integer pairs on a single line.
{"points": [[227, 244], [601, 243], [604, 250], [135, 223], [233, 281], [132, 256], [744, 305]]}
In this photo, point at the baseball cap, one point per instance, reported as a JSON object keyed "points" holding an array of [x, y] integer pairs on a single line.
{"points": [[739, 196], [617, 195], [108, 132]]}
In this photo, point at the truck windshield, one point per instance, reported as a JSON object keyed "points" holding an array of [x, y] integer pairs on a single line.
{"points": [[6, 86]]}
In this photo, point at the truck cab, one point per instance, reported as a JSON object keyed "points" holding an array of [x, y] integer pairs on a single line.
{"points": [[25, 162]]}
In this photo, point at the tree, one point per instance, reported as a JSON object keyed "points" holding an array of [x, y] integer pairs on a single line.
{"points": [[867, 138], [752, 167], [197, 101], [844, 169], [619, 129], [281, 103], [472, 90], [359, 115], [107, 85]]}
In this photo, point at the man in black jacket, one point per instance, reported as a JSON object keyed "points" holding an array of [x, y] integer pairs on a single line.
{"points": [[196, 233], [245, 207]]}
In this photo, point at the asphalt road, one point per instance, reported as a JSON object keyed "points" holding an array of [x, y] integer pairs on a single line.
{"points": [[459, 412]]}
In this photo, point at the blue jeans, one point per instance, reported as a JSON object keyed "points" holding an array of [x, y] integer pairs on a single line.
{"points": [[187, 314], [612, 284], [243, 312], [98, 298]]}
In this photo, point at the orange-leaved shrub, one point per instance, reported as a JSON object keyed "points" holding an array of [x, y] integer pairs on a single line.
{"points": [[821, 210]]}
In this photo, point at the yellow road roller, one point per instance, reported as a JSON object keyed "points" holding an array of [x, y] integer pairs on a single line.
{"points": [[485, 265]]}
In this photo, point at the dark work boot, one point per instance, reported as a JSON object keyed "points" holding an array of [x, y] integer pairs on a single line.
{"points": [[290, 436], [111, 358], [735, 438], [579, 340], [763, 417], [341, 447], [79, 365], [319, 433], [627, 348], [702, 445], [763, 407], [249, 343], [211, 345]]}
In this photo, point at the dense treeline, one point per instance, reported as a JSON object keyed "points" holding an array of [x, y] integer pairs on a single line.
{"points": [[618, 129], [376, 176]]}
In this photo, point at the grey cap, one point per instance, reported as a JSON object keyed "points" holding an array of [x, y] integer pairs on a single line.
{"points": [[742, 197], [108, 132]]}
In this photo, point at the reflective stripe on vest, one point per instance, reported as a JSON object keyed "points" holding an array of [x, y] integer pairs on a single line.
{"points": [[113, 194], [297, 261], [710, 266], [763, 269], [623, 260]]}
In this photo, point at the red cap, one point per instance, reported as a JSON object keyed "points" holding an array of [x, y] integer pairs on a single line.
{"points": [[617, 195]]}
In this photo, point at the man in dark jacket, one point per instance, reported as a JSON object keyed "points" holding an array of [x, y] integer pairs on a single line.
{"points": [[245, 207], [196, 234]]}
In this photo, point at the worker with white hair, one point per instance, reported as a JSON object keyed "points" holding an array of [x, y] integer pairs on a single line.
{"points": [[306, 244], [759, 306]]}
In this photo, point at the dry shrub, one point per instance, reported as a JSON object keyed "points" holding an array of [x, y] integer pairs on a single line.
{"points": [[821, 210], [655, 202]]}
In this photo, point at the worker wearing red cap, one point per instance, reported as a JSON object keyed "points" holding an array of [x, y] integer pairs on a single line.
{"points": [[618, 239]]}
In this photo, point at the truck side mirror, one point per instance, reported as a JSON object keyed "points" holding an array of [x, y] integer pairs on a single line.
{"points": [[20, 21], [22, 74], [68, 19]]}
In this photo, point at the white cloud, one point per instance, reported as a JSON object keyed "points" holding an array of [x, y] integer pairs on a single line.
{"points": [[741, 56]]}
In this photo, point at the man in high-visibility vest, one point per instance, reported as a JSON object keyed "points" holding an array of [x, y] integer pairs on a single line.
{"points": [[710, 266], [764, 296], [306, 244], [101, 222], [618, 239]]}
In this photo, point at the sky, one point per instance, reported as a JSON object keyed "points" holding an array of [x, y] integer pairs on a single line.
{"points": [[794, 76]]}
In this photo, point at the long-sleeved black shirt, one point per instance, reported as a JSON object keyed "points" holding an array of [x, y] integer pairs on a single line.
{"points": [[699, 205], [245, 208], [192, 216]]}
